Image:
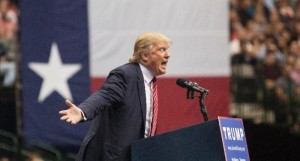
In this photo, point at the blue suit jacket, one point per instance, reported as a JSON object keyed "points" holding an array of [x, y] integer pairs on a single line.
{"points": [[118, 112]]}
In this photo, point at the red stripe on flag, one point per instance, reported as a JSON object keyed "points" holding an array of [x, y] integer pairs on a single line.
{"points": [[175, 111]]}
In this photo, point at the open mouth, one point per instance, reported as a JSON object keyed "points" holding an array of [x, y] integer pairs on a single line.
{"points": [[164, 64]]}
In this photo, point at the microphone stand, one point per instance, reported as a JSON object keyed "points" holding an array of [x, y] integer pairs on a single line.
{"points": [[190, 95], [202, 105]]}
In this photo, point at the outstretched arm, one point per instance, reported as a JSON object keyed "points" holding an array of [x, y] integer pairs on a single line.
{"points": [[72, 115]]}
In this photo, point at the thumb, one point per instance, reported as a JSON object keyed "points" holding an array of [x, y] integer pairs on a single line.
{"points": [[69, 103]]}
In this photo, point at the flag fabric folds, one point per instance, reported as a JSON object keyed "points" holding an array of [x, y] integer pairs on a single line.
{"points": [[68, 48]]}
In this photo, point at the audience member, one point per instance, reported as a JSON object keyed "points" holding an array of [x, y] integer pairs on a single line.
{"points": [[8, 42], [273, 28]]}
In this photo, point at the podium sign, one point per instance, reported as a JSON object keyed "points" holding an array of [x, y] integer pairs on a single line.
{"points": [[222, 139], [234, 139]]}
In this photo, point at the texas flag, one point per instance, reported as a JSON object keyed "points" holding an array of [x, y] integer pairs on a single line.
{"points": [[69, 46]]}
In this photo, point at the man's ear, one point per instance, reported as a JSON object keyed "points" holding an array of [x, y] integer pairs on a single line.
{"points": [[144, 56]]}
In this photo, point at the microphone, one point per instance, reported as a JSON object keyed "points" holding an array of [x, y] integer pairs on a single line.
{"points": [[184, 83]]}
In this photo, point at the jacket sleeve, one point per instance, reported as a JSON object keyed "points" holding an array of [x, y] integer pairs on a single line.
{"points": [[112, 92]]}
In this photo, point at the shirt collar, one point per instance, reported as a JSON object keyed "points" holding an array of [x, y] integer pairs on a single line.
{"points": [[148, 76]]}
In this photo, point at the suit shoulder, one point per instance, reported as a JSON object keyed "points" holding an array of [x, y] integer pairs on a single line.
{"points": [[128, 68], [127, 72]]}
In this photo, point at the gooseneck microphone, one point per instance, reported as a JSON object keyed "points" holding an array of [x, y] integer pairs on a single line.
{"points": [[191, 87], [184, 83]]}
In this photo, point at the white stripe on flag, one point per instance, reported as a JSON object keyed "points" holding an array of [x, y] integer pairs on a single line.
{"points": [[198, 29]]}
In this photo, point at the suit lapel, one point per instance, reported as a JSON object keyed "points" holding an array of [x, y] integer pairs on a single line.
{"points": [[141, 91]]}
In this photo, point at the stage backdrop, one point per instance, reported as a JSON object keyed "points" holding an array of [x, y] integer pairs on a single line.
{"points": [[68, 48]]}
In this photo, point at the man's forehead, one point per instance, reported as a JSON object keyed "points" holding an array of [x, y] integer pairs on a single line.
{"points": [[163, 44]]}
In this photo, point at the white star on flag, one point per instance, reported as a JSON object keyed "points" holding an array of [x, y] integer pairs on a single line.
{"points": [[55, 75]]}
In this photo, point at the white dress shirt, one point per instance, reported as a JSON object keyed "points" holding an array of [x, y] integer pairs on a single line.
{"points": [[148, 76]]}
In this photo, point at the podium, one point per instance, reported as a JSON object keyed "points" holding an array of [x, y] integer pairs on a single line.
{"points": [[222, 139]]}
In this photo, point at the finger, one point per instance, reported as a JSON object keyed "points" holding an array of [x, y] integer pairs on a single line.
{"points": [[69, 103], [63, 112], [69, 120], [64, 117]]}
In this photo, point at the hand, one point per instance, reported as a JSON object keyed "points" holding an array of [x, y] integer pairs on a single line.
{"points": [[71, 115]]}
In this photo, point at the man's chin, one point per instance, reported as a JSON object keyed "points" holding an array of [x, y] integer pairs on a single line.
{"points": [[162, 72]]}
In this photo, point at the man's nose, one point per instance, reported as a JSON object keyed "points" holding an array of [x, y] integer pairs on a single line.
{"points": [[167, 55]]}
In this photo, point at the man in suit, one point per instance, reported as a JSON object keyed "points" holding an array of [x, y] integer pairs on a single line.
{"points": [[122, 109]]}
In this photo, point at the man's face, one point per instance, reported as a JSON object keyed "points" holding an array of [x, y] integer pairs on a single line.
{"points": [[158, 58]]}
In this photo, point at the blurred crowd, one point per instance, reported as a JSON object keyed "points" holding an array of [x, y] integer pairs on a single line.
{"points": [[265, 58], [8, 42]]}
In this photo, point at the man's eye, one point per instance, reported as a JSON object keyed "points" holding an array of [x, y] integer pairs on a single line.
{"points": [[162, 49]]}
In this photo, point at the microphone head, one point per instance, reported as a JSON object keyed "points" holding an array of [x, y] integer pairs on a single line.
{"points": [[181, 82]]}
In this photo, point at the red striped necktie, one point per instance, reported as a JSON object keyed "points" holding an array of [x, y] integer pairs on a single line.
{"points": [[155, 107]]}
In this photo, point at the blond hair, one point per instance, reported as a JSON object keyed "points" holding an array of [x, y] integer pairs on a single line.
{"points": [[145, 42]]}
